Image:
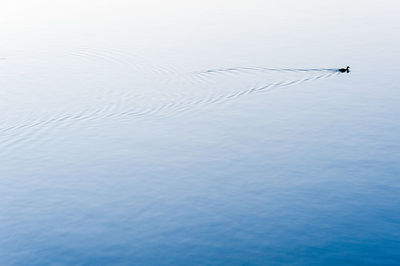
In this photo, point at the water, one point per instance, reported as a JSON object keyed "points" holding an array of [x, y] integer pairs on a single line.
{"points": [[217, 133]]}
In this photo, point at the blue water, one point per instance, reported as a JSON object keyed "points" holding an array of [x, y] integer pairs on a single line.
{"points": [[209, 133]]}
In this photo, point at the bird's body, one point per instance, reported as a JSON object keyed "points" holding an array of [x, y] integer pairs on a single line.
{"points": [[344, 69]]}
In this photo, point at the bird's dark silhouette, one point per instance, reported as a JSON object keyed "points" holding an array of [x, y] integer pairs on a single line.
{"points": [[347, 70]]}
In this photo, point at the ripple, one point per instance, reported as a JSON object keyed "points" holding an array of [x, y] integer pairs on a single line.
{"points": [[135, 89]]}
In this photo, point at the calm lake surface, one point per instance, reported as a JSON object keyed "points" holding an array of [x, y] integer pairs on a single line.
{"points": [[199, 132]]}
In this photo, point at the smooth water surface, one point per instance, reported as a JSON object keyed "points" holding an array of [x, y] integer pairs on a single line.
{"points": [[199, 133]]}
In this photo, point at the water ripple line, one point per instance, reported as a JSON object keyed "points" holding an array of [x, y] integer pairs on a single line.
{"points": [[210, 89]]}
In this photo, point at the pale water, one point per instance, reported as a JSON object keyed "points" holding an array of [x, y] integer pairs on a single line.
{"points": [[199, 133]]}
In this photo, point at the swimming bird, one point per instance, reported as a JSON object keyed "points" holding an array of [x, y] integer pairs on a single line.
{"points": [[345, 69]]}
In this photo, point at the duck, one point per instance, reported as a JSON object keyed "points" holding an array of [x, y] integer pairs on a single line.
{"points": [[344, 69]]}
